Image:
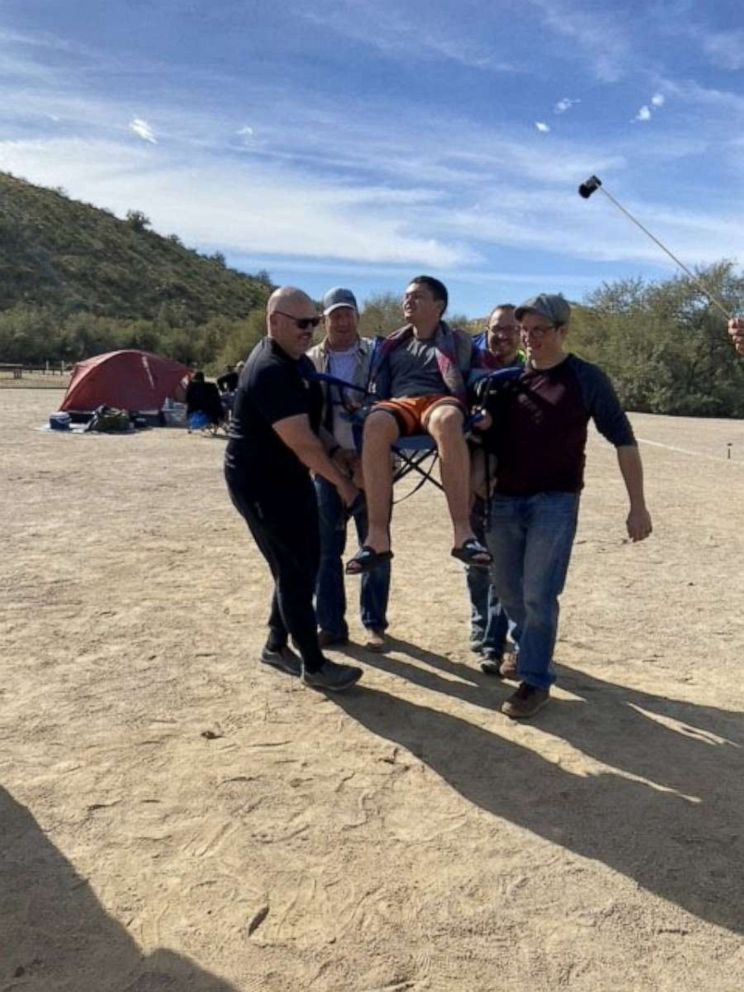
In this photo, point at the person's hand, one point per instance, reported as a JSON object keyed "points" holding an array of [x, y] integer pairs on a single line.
{"points": [[345, 461], [639, 524], [484, 420], [348, 492], [736, 330]]}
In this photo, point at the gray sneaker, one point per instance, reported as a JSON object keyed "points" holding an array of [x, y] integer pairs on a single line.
{"points": [[490, 663], [283, 659], [332, 677]]}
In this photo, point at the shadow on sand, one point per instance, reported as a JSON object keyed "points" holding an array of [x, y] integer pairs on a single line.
{"points": [[54, 933], [667, 812]]}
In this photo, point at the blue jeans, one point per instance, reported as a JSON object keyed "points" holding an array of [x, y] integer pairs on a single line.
{"points": [[330, 601], [488, 621], [530, 538]]}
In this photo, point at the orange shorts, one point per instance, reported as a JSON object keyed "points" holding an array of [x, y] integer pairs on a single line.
{"points": [[412, 412]]}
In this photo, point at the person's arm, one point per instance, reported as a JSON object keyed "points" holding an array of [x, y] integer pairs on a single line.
{"points": [[297, 434], [736, 330], [631, 468]]}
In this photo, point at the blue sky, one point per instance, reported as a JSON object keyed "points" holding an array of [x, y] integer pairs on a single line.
{"points": [[361, 142]]}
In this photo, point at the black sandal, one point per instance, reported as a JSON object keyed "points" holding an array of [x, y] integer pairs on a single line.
{"points": [[472, 553], [366, 559]]}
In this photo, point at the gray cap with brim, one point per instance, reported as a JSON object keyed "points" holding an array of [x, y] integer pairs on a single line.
{"points": [[338, 297], [552, 306]]}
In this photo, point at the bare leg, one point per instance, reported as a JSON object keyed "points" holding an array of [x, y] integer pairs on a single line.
{"points": [[380, 432], [445, 426]]}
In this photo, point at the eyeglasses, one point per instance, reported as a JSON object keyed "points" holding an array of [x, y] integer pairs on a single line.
{"points": [[302, 322]]}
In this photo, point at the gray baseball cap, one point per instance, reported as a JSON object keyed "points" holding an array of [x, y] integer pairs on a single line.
{"points": [[338, 297], [552, 306]]}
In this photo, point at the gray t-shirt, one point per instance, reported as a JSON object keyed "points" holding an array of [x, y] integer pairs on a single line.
{"points": [[414, 370]]}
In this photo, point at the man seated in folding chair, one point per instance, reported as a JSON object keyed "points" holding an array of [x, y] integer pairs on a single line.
{"points": [[420, 376]]}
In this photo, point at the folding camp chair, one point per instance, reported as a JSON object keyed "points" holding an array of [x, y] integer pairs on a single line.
{"points": [[416, 453]]}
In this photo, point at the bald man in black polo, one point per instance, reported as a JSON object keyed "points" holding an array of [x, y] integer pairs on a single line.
{"points": [[274, 444]]}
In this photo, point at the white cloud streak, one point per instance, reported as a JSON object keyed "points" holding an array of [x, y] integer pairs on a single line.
{"points": [[242, 208], [563, 105], [143, 130], [542, 127]]}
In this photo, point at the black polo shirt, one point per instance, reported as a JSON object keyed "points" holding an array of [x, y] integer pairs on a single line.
{"points": [[272, 386]]}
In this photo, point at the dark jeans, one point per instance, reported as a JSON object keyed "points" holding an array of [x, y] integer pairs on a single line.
{"points": [[330, 603], [285, 528], [530, 538], [488, 621]]}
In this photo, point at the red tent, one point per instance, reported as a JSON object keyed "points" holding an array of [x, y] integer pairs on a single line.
{"points": [[129, 380]]}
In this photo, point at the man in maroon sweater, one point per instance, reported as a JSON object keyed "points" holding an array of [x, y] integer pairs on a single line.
{"points": [[539, 436]]}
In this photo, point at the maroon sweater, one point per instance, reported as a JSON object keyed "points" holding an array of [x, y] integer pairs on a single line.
{"points": [[540, 427]]}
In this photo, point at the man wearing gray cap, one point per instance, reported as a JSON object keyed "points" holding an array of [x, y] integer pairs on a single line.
{"points": [[346, 356], [539, 437]]}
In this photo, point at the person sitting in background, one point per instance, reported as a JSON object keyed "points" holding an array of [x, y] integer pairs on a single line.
{"points": [[203, 404], [228, 381]]}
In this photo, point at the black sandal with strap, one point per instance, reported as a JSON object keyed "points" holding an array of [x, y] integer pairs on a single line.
{"points": [[472, 553], [366, 559]]}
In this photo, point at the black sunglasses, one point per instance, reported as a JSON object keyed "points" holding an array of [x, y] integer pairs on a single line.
{"points": [[302, 322]]}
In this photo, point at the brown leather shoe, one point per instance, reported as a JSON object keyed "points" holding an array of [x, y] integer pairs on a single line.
{"points": [[509, 666], [525, 702]]}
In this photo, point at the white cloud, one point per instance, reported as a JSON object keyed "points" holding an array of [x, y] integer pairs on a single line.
{"points": [[245, 132], [143, 130], [658, 100], [262, 210], [644, 114], [563, 105], [542, 127]]}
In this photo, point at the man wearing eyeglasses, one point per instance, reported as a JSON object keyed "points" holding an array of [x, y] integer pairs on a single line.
{"points": [[274, 444], [420, 376], [539, 442], [498, 347]]}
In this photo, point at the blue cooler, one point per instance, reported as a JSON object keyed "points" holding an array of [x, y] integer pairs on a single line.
{"points": [[60, 421]]}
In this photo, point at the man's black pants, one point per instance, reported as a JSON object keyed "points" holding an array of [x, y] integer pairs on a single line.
{"points": [[285, 528]]}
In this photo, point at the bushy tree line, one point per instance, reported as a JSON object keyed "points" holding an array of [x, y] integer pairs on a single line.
{"points": [[33, 336], [664, 344]]}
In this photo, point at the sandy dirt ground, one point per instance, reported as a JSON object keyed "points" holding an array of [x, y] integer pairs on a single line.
{"points": [[172, 818]]}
